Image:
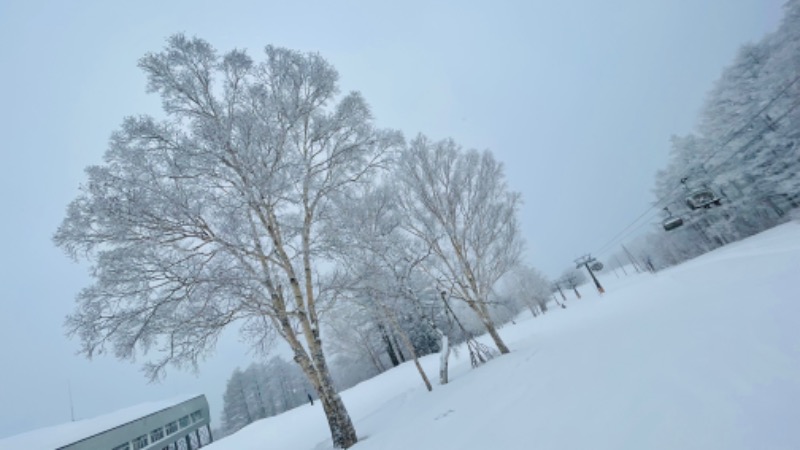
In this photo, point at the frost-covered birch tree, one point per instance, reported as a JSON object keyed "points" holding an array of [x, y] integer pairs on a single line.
{"points": [[457, 203], [212, 216], [529, 288], [381, 261]]}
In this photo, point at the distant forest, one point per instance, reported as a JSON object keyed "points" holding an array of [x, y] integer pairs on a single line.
{"points": [[738, 173]]}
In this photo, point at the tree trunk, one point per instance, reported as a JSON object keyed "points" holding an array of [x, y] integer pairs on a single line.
{"points": [[389, 347], [398, 349], [343, 433], [621, 266], [444, 355], [444, 359], [489, 325], [563, 297], [409, 345], [376, 361], [498, 341], [422, 372]]}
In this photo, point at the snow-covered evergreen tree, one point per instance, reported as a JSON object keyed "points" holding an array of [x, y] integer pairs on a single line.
{"points": [[263, 390], [746, 150], [235, 410]]}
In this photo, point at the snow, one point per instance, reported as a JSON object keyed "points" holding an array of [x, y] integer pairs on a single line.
{"points": [[703, 355], [60, 435]]}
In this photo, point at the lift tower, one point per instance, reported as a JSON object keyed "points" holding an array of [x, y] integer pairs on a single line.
{"points": [[588, 261]]}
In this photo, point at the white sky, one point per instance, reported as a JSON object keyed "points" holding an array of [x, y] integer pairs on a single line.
{"points": [[577, 98]]}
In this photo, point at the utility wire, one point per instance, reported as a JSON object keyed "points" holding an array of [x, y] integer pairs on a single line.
{"points": [[752, 119], [626, 232]]}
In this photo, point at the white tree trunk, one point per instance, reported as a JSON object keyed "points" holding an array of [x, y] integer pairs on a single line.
{"points": [[444, 359], [408, 344]]}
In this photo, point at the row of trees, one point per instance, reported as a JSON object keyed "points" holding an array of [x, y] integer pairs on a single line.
{"points": [[746, 148], [368, 337], [413, 317], [263, 390], [267, 199]]}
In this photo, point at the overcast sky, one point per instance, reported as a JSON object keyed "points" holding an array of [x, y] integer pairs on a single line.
{"points": [[578, 99]]}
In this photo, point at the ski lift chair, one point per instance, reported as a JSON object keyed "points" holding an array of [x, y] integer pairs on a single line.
{"points": [[670, 223], [703, 198]]}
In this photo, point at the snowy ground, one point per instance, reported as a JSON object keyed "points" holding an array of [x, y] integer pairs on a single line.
{"points": [[705, 355]]}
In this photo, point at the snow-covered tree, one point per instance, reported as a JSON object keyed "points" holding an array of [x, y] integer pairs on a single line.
{"points": [[213, 215], [746, 150], [571, 279], [528, 288], [263, 390], [283, 385], [381, 263], [457, 203], [235, 410], [359, 338]]}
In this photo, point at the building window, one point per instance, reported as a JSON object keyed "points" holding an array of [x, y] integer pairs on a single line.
{"points": [[156, 434], [197, 416], [172, 427], [140, 442], [125, 446], [184, 421]]}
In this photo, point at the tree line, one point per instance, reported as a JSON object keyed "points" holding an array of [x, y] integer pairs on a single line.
{"points": [[263, 390], [745, 150]]}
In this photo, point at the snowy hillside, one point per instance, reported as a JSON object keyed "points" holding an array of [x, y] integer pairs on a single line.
{"points": [[702, 356]]}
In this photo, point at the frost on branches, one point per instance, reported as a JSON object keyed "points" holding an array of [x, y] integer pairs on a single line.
{"points": [[213, 215]]}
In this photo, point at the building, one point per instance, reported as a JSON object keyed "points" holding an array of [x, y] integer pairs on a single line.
{"points": [[177, 424]]}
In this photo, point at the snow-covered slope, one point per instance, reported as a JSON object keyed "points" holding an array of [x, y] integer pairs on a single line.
{"points": [[705, 355]]}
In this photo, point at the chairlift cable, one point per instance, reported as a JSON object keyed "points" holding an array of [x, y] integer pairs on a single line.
{"points": [[754, 139], [627, 231], [752, 119], [670, 193], [660, 201]]}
